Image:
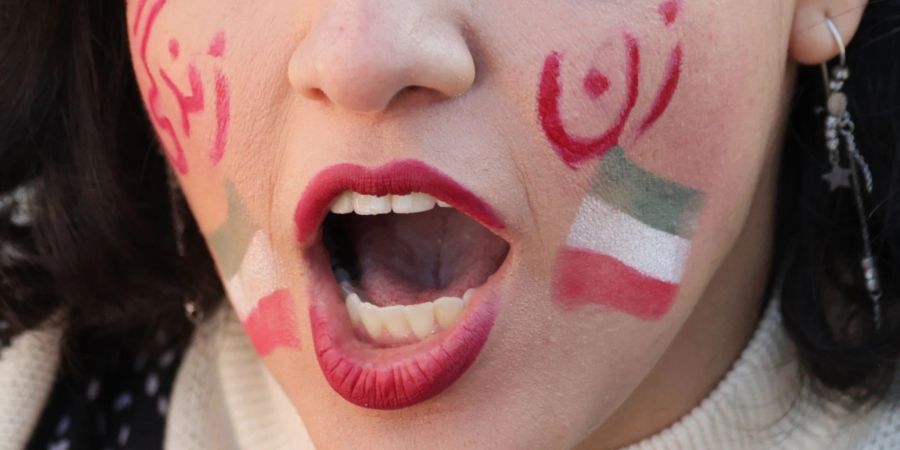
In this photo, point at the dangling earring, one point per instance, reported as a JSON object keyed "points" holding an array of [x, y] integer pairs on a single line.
{"points": [[839, 128], [192, 309]]}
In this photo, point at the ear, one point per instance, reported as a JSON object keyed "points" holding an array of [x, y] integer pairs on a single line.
{"points": [[811, 41]]}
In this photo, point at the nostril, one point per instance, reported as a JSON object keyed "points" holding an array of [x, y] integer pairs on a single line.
{"points": [[415, 95], [315, 94], [406, 94]]}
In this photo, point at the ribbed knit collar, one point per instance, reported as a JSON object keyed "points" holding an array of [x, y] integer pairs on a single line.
{"points": [[28, 368], [225, 398], [764, 402]]}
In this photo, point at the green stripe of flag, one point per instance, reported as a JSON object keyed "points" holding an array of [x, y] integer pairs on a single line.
{"points": [[662, 204], [229, 243]]}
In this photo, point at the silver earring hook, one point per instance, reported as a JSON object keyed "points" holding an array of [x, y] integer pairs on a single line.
{"points": [[841, 67], [838, 39], [842, 57]]}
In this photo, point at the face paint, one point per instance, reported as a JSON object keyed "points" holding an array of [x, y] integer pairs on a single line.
{"points": [[174, 48], [249, 269], [223, 101], [223, 118], [217, 46], [229, 242], [256, 275], [574, 149], [162, 122], [666, 91], [188, 104], [142, 4], [271, 323], [596, 84], [669, 10], [627, 246]]}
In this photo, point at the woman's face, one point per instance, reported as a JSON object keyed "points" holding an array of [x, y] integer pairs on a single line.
{"points": [[597, 158]]}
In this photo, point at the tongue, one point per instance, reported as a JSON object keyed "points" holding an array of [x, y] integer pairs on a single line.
{"points": [[406, 259]]}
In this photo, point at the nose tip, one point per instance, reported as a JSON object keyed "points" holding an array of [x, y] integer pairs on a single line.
{"points": [[362, 61]]}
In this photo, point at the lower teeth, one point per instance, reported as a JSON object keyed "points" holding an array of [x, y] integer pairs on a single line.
{"points": [[400, 322]]}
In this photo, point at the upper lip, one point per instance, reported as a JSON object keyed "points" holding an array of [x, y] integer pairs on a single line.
{"points": [[397, 178]]}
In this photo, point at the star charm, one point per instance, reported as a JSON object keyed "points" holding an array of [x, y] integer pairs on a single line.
{"points": [[838, 177]]}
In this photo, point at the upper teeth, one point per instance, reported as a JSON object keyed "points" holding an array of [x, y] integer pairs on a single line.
{"points": [[402, 321], [367, 205]]}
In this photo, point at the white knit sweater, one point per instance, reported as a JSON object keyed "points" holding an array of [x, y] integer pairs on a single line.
{"points": [[224, 398]]}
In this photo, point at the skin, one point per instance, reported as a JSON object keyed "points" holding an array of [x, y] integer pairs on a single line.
{"points": [[306, 85]]}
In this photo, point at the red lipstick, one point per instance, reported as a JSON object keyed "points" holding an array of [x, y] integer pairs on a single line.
{"points": [[397, 178], [395, 377]]}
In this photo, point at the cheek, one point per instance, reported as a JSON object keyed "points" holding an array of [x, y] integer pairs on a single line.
{"points": [[660, 162], [187, 93], [184, 87]]}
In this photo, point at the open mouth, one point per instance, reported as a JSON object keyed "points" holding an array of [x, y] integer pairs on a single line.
{"points": [[406, 265]]}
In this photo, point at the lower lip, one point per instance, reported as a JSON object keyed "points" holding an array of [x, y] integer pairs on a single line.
{"points": [[392, 378]]}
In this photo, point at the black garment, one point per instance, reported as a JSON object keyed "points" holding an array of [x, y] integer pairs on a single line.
{"points": [[109, 395]]}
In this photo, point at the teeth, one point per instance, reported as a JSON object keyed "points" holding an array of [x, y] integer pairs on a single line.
{"points": [[343, 204], [370, 205], [395, 322], [468, 295], [371, 319], [402, 321], [353, 305], [447, 310], [421, 318], [412, 203]]}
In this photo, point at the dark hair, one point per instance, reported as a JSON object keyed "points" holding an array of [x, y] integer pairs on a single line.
{"points": [[92, 237], [818, 243]]}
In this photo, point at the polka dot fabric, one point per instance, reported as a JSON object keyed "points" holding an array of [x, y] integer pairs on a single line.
{"points": [[108, 396]]}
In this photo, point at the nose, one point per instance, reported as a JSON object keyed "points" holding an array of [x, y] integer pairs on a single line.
{"points": [[361, 55]]}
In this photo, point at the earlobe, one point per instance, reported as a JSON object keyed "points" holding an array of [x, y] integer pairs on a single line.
{"points": [[811, 42]]}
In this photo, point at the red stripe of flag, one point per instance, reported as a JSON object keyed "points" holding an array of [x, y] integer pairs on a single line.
{"points": [[271, 323], [584, 277]]}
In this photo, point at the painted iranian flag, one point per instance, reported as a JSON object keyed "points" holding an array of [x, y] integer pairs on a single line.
{"points": [[629, 241]]}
